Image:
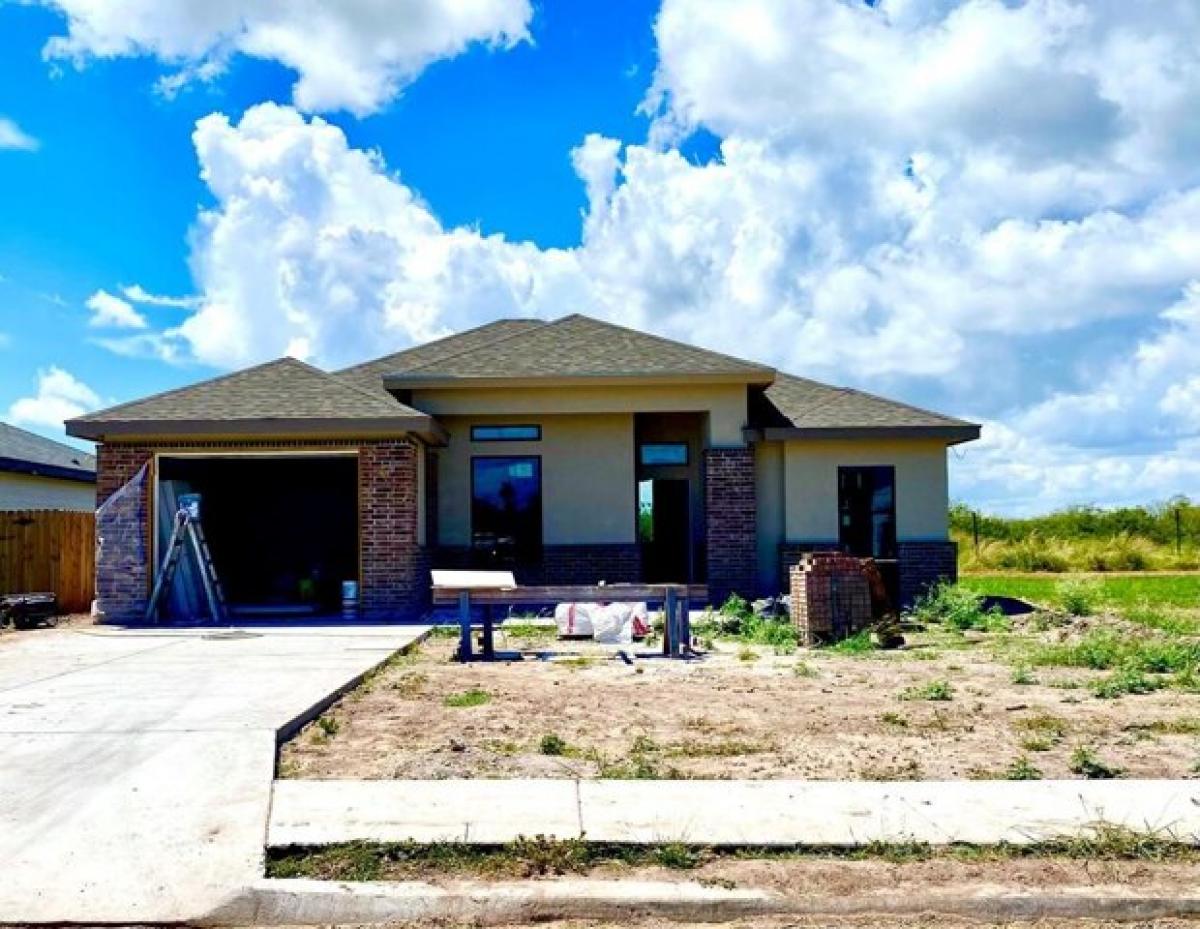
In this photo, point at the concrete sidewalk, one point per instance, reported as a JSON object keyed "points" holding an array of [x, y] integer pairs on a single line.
{"points": [[842, 813], [136, 776]]}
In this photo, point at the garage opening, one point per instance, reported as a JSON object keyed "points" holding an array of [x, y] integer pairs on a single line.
{"points": [[283, 531]]}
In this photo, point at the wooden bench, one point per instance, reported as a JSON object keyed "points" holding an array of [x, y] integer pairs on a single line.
{"points": [[499, 588]]}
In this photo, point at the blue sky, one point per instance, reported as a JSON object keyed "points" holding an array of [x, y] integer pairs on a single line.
{"points": [[984, 207]]}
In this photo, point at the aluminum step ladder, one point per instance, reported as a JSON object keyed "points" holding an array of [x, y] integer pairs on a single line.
{"points": [[187, 531]]}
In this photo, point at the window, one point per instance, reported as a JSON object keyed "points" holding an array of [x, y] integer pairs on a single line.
{"points": [[663, 453], [867, 511], [506, 433], [506, 509]]}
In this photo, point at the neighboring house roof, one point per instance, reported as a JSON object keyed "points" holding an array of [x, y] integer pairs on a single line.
{"points": [[578, 349], [369, 374], [282, 397], [795, 407], [26, 453]]}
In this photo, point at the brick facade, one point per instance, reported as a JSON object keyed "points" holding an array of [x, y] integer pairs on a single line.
{"points": [[923, 564], [563, 564], [830, 597], [730, 514], [122, 532], [394, 580], [791, 554]]}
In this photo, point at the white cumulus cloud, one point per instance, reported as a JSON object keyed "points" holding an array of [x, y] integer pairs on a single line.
{"points": [[983, 206], [14, 137], [60, 396], [109, 312], [351, 54]]}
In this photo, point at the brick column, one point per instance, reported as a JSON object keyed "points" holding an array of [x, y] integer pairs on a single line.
{"points": [[122, 533], [923, 564], [730, 522], [395, 580]]}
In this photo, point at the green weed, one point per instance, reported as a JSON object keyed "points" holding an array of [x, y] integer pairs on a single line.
{"points": [[468, 698], [934, 690]]}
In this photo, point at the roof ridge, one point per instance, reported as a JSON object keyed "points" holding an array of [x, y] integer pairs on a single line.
{"points": [[446, 338], [491, 343], [175, 390], [551, 324], [662, 338]]}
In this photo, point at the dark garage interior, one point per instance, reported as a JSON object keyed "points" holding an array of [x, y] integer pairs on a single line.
{"points": [[283, 531]]}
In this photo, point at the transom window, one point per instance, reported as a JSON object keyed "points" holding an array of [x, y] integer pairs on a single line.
{"points": [[506, 509], [663, 453], [521, 433], [867, 511]]}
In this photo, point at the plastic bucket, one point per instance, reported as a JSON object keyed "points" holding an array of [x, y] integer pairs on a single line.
{"points": [[349, 597]]}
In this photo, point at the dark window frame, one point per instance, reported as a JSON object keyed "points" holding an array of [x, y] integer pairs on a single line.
{"points": [[535, 550], [687, 455], [480, 427], [885, 549]]}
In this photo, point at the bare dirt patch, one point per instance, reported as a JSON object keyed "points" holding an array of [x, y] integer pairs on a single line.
{"points": [[746, 712]]}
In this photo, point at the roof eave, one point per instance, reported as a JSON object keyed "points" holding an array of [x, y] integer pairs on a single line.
{"points": [[425, 427], [40, 469], [408, 381], [951, 434]]}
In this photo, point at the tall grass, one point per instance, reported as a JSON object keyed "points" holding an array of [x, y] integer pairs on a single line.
{"points": [[1041, 553], [1163, 537]]}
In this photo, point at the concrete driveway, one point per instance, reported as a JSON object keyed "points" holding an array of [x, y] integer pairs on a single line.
{"points": [[136, 765]]}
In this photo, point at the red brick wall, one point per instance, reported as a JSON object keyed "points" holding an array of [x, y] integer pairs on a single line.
{"points": [[395, 579], [122, 536], [730, 519]]}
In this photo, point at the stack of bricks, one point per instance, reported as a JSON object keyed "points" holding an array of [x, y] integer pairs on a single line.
{"points": [[831, 598]]}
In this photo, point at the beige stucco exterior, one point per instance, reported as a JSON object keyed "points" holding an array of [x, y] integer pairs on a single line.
{"points": [[725, 404], [810, 485], [588, 488], [31, 492], [797, 492]]}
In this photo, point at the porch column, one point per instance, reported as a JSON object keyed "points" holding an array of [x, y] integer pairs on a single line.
{"points": [[395, 575], [122, 533], [730, 515]]}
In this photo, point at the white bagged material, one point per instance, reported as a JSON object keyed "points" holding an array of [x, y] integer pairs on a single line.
{"points": [[619, 623], [575, 618]]}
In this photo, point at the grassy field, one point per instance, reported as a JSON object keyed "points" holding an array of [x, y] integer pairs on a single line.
{"points": [[1118, 591]]}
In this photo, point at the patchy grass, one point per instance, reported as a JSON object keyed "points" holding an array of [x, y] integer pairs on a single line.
{"points": [[858, 644], [467, 698], [1078, 596], [1085, 763], [552, 744], [1022, 770], [933, 690], [540, 856]]}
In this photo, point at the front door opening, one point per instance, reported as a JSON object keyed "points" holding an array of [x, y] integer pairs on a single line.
{"points": [[283, 530], [664, 530]]}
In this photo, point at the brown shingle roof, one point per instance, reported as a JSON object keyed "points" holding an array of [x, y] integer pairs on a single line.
{"points": [[797, 404], [272, 398], [369, 374], [581, 347]]}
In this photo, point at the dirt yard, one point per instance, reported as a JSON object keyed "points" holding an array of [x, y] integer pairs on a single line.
{"points": [[948, 706]]}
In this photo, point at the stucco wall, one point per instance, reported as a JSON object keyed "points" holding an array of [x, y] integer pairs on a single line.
{"points": [[30, 492], [768, 475], [725, 403], [810, 485], [587, 476]]}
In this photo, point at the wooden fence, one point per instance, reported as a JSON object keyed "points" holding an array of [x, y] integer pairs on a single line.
{"points": [[49, 550]]}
